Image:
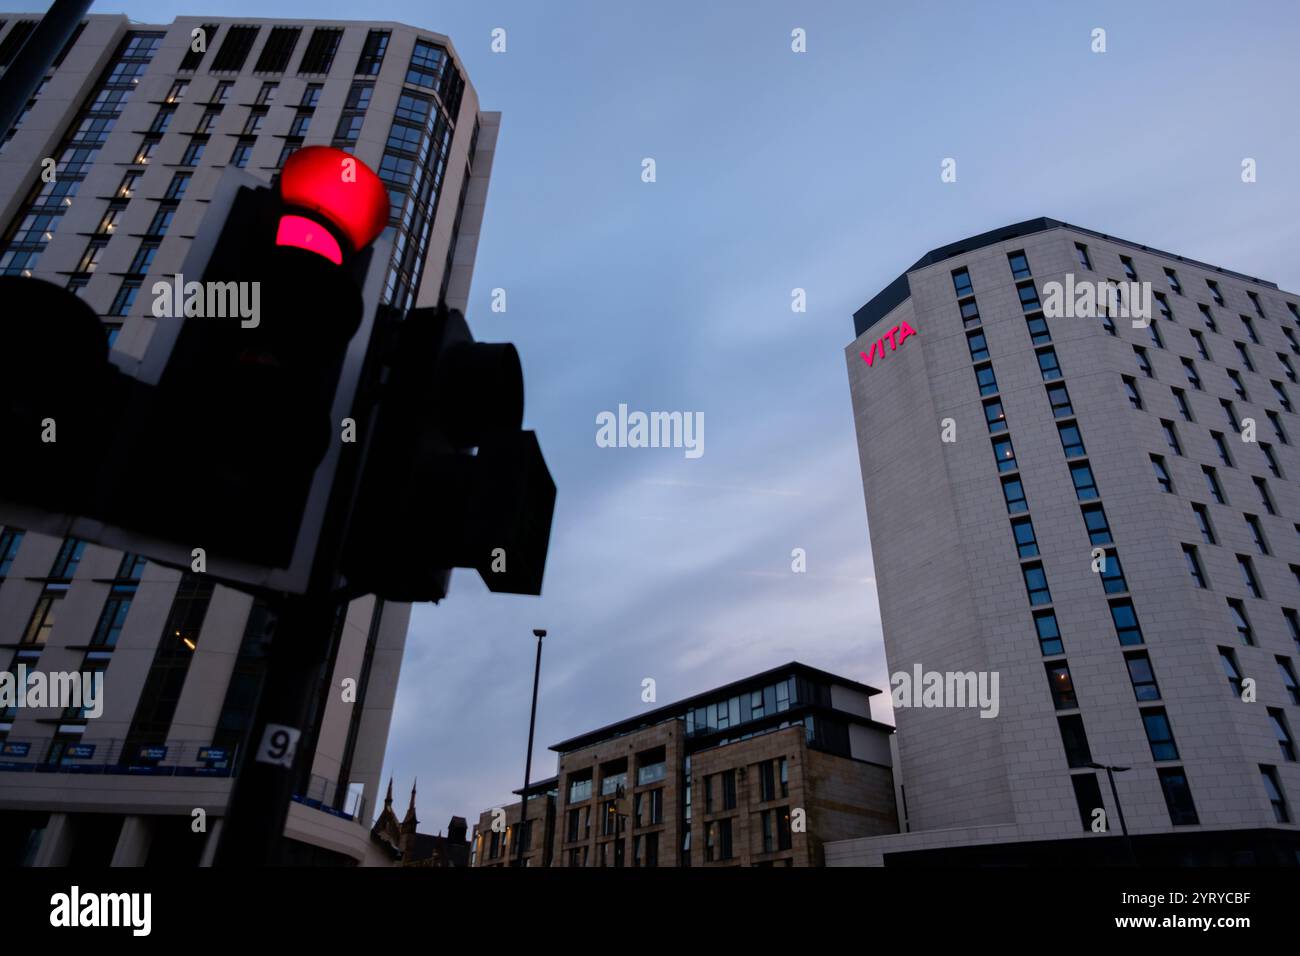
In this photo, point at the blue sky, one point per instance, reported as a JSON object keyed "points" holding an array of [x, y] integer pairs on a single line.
{"points": [[775, 170]]}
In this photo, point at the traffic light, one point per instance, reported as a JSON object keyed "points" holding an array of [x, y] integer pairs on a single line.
{"points": [[60, 395], [243, 411], [451, 480]]}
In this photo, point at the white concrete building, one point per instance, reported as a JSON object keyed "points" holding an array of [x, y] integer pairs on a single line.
{"points": [[142, 122], [1104, 516]]}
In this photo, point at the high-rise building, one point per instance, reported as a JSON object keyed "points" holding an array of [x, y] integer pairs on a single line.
{"points": [[1099, 511], [763, 771], [139, 123]]}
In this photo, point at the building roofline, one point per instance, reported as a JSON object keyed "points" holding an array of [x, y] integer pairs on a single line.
{"points": [[538, 787], [898, 291], [659, 714]]}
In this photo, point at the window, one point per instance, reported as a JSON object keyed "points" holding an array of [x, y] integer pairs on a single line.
{"points": [[90, 258], [1059, 398], [1153, 330], [1228, 660], [221, 93], [10, 539], [1212, 483], [1074, 740], [125, 297], [579, 787], [300, 124], [1174, 284], [1237, 385], [961, 283], [1248, 575], [1085, 486], [1084, 259], [143, 258], [1143, 363], [207, 121], [1273, 788], [1290, 337], [372, 54], [1287, 673], [1171, 436], [1178, 796], [319, 55], [1201, 350], [1039, 334], [1283, 733], [728, 778], [41, 622], [176, 189], [1202, 515], [279, 47], [1244, 354], [1087, 796], [1036, 584], [1022, 529], [984, 377], [1062, 688], [1180, 399], [162, 120], [311, 96], [1142, 676], [1159, 734], [1282, 396], [193, 152], [1166, 313], [427, 64], [1049, 634], [1222, 446], [1285, 362], [1112, 574], [1019, 264], [1230, 414], [1190, 368], [193, 57], [1207, 316], [253, 125], [1214, 291], [1004, 454], [1129, 271], [1048, 365], [1264, 498], [162, 219], [1094, 518], [242, 152], [979, 349], [994, 417], [177, 91], [1250, 329], [1194, 565], [265, 95], [1290, 615], [1257, 533], [1276, 422], [67, 560], [1162, 475], [1071, 440], [1124, 617], [1242, 623], [1131, 390], [234, 50]]}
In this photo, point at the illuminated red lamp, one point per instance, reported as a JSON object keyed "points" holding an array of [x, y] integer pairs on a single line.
{"points": [[341, 190]]}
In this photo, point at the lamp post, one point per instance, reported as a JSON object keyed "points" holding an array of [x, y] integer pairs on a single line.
{"points": [[538, 633], [1119, 810]]}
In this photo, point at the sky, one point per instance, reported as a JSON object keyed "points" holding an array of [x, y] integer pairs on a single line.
{"points": [[775, 170]]}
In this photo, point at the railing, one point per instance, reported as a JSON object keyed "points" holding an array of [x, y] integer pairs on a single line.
{"points": [[177, 758]]}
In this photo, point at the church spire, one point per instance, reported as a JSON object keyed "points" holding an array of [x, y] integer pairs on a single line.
{"points": [[410, 819]]}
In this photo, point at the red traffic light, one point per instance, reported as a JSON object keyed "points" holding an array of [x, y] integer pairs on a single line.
{"points": [[342, 190]]}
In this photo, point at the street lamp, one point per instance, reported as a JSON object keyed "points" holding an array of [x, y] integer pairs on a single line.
{"points": [[1119, 810], [538, 633]]}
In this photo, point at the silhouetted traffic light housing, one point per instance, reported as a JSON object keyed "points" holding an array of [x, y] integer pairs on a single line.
{"points": [[59, 395], [247, 401], [451, 481]]}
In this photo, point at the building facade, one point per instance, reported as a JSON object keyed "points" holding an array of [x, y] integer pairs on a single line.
{"points": [[1099, 510], [760, 772], [139, 124], [494, 841]]}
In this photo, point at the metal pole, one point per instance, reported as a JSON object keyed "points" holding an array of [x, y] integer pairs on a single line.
{"points": [[528, 760], [1119, 810], [32, 62]]}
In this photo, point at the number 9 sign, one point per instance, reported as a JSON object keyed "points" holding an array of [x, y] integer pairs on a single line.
{"points": [[279, 743]]}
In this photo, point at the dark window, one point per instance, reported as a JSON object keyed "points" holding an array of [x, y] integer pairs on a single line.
{"points": [[987, 381], [1059, 398], [1193, 562], [1131, 390], [1087, 795], [1022, 529], [1202, 515], [319, 55], [1160, 734], [371, 60], [1143, 363], [1222, 447], [1129, 271], [1273, 788], [961, 283], [1192, 377], [994, 417], [1277, 720], [1237, 610], [1112, 574], [1287, 673], [1039, 333], [1048, 365], [1124, 617], [1014, 493], [1004, 454], [1257, 533], [427, 63], [1174, 284], [1180, 399], [234, 50], [1094, 517], [1143, 677], [1062, 687], [125, 297], [1074, 740], [1049, 633], [1028, 297], [1084, 259], [1212, 483], [1036, 583], [192, 57], [1248, 575], [1085, 486], [979, 349], [1019, 264], [14, 40], [279, 47], [1071, 440], [1178, 796], [1228, 659]]}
